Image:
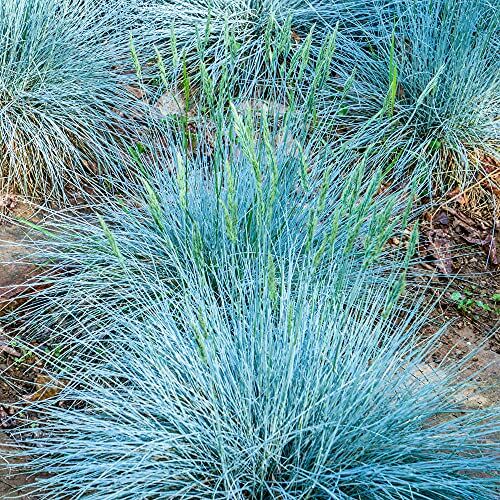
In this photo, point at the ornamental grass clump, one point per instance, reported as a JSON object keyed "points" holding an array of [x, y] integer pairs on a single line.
{"points": [[220, 196], [416, 79], [248, 36], [63, 97], [284, 67], [292, 80], [282, 386], [429, 90]]}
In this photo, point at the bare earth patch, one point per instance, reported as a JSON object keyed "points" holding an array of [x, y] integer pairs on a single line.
{"points": [[466, 241]]}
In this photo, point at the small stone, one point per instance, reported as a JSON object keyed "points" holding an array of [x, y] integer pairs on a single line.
{"points": [[170, 104]]}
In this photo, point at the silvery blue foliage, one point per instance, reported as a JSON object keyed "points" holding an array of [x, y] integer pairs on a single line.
{"points": [[427, 88], [268, 390], [63, 95]]}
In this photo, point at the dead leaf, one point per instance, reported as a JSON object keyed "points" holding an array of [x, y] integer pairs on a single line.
{"points": [[490, 247], [442, 218], [47, 387], [439, 241], [136, 92], [5, 348]]}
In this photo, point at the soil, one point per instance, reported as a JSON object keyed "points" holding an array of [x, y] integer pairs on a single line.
{"points": [[16, 375], [10, 481], [462, 245], [18, 370], [453, 240]]}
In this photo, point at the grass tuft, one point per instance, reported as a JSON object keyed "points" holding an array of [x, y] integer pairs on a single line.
{"points": [[231, 322], [214, 196], [427, 89], [273, 389], [63, 96]]}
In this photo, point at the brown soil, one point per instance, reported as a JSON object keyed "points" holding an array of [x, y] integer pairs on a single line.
{"points": [[463, 246], [16, 374], [18, 369], [10, 481]]}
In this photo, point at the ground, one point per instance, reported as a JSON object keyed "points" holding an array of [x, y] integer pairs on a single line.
{"points": [[453, 239], [463, 244]]}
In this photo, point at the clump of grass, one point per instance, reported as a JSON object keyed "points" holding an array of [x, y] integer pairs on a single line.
{"points": [[233, 318], [291, 78], [248, 37], [218, 194], [61, 95], [429, 89], [281, 386], [450, 76], [416, 79]]}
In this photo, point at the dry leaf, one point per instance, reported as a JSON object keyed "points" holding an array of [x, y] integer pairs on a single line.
{"points": [[47, 388], [440, 248]]}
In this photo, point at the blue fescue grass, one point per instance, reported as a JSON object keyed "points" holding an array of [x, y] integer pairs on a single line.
{"points": [[62, 100], [231, 323], [417, 79], [274, 388], [450, 77], [283, 66], [429, 89], [245, 35], [230, 189]]}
